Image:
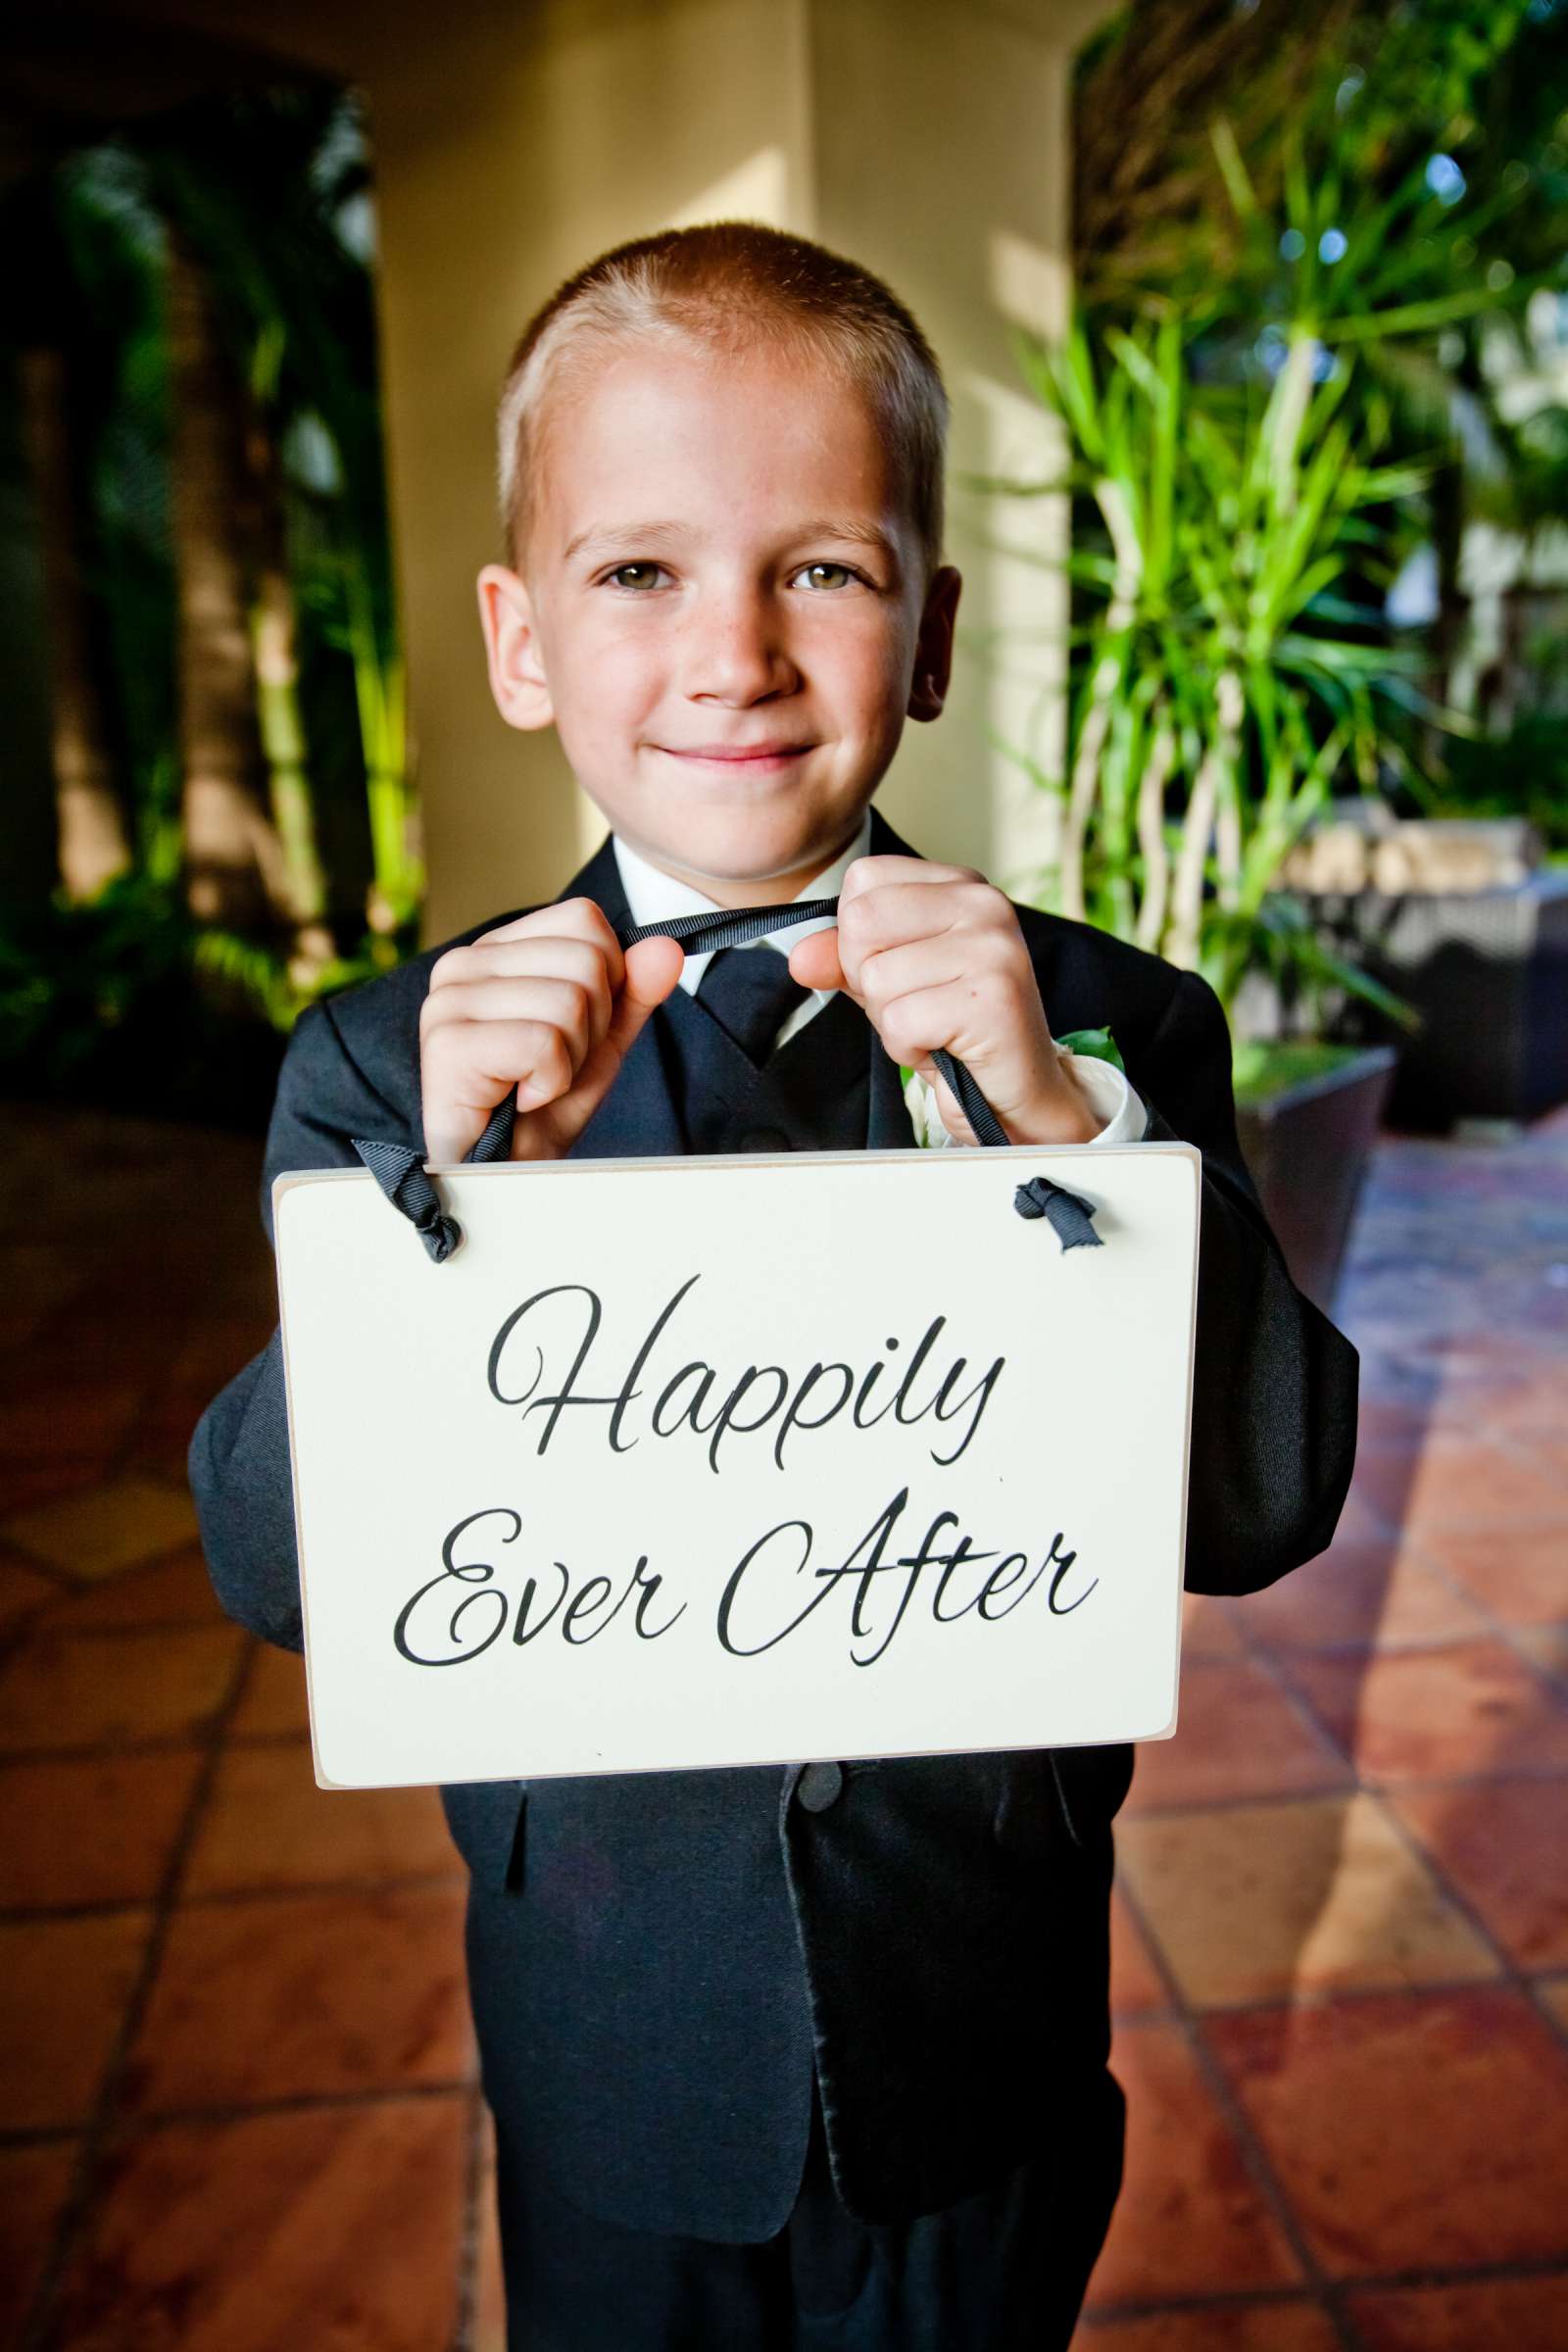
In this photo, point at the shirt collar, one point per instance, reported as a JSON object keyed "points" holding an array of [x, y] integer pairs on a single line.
{"points": [[653, 897]]}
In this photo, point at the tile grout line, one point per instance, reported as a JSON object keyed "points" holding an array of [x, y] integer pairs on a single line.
{"points": [[1258, 1654], [1279, 1660], [226, 1898], [1136, 2307], [1500, 1629], [240, 2111], [156, 1743], [1385, 1795], [77, 2211], [1252, 2153], [1510, 1972], [1544, 1776]]}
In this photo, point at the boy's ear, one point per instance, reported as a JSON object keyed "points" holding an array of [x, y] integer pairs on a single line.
{"points": [[933, 650], [517, 678]]}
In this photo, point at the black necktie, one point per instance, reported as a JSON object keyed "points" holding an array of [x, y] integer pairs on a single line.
{"points": [[751, 995]]}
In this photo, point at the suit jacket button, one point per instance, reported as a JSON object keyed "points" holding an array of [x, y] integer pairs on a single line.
{"points": [[820, 1786]]}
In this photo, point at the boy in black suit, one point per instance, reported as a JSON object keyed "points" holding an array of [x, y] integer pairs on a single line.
{"points": [[814, 2056]]}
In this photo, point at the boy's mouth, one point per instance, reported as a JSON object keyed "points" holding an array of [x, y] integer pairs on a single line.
{"points": [[748, 759]]}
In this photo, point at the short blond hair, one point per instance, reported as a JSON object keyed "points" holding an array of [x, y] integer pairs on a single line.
{"points": [[728, 284]]}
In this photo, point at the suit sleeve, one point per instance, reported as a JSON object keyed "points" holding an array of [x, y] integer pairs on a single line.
{"points": [[1274, 1391], [238, 1462]]}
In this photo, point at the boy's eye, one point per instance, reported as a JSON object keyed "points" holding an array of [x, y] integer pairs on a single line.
{"points": [[635, 576], [812, 574]]}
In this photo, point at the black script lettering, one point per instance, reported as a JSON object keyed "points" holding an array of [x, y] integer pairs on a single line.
{"points": [[588, 1600], [692, 1410], [999, 1581], [795, 1418], [475, 1572], [649, 1587], [563, 1397], [959, 1558], [759, 1397], [939, 1403], [729, 1417], [522, 1630], [594, 1595], [914, 1561], [876, 1536], [571, 1609], [982, 1390], [912, 1369], [1066, 1559], [629, 1387], [1002, 1588], [862, 1421], [731, 1590]]}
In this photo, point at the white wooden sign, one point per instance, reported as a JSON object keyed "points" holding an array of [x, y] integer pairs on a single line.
{"points": [[738, 1460]]}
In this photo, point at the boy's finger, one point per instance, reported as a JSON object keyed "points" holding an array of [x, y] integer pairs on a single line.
{"points": [[877, 873], [550, 954], [468, 1066], [898, 911], [815, 961], [569, 919], [652, 968]]}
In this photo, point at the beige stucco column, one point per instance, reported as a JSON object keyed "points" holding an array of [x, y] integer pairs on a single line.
{"points": [[926, 137]]}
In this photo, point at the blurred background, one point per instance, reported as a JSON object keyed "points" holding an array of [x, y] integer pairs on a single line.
{"points": [[1255, 321]]}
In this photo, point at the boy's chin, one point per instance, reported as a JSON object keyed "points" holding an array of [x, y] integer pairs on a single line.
{"points": [[748, 853]]}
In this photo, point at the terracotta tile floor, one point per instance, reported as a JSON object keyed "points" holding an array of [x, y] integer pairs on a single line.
{"points": [[1341, 1935]]}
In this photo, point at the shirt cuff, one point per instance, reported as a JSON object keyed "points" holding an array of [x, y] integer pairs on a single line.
{"points": [[1113, 1098], [1110, 1095]]}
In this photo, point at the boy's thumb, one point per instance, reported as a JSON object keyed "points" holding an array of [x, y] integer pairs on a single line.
{"points": [[652, 968], [814, 960]]}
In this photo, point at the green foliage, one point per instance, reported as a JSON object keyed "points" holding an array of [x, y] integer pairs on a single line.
{"points": [[128, 1002], [1097, 1045], [1279, 386], [1405, 206], [270, 192], [1266, 1066], [1228, 665], [1521, 773]]}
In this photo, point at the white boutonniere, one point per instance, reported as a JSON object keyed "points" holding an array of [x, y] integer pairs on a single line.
{"points": [[921, 1103]]}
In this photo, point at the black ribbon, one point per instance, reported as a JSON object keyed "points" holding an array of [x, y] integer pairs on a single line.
{"points": [[401, 1173]]}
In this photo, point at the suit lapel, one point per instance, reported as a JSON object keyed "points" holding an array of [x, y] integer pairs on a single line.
{"points": [[887, 1124]]}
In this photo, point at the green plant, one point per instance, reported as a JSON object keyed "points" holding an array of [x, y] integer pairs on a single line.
{"points": [[1391, 177], [1226, 673]]}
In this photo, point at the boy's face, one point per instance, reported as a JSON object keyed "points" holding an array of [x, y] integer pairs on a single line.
{"points": [[724, 612]]}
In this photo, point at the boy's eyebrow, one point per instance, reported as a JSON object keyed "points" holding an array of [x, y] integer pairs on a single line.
{"points": [[654, 534]]}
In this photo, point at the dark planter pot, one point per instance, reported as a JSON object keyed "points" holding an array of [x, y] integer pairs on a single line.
{"points": [[1489, 974], [1309, 1148]]}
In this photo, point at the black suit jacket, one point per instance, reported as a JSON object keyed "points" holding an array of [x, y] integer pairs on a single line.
{"points": [[656, 1961]]}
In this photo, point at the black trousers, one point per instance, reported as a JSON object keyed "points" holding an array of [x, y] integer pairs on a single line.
{"points": [[1002, 2271]]}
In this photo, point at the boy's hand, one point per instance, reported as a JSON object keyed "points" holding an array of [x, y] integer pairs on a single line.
{"points": [[933, 957], [547, 1006]]}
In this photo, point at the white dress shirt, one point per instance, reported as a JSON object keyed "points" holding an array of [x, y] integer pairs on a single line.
{"points": [[655, 897]]}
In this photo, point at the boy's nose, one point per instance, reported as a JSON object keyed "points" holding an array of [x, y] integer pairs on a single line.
{"points": [[735, 653]]}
